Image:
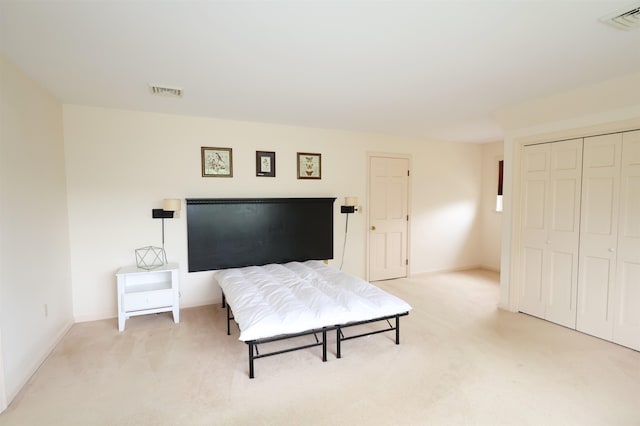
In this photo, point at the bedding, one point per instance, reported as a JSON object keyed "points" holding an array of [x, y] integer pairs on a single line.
{"points": [[280, 299]]}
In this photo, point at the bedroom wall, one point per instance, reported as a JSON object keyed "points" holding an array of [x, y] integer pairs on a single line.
{"points": [[609, 106], [121, 164], [34, 233], [491, 220]]}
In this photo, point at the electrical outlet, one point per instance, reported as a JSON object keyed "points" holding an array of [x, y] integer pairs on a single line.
{"points": [[46, 310]]}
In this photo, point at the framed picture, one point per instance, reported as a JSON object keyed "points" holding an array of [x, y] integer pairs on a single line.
{"points": [[309, 166], [216, 162], [265, 163]]}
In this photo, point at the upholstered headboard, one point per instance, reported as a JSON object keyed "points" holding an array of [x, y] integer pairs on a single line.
{"points": [[236, 232]]}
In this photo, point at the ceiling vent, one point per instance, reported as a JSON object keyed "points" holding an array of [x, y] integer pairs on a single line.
{"points": [[627, 20], [166, 91]]}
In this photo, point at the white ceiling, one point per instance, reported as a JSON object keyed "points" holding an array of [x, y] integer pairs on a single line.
{"points": [[428, 69]]}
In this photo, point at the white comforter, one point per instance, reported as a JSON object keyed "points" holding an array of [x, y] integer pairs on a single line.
{"points": [[276, 299]]}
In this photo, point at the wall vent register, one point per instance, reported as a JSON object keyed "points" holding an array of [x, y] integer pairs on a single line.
{"points": [[165, 91]]}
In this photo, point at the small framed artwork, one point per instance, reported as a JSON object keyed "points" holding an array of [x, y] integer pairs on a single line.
{"points": [[216, 162], [309, 166], [265, 163]]}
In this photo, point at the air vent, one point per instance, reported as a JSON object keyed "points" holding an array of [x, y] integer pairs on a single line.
{"points": [[166, 91], [627, 20]]}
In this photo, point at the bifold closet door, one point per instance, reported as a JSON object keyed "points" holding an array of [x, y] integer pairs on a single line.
{"points": [[551, 213], [599, 234], [626, 328]]}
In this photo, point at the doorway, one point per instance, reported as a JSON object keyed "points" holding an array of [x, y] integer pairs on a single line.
{"points": [[388, 218]]}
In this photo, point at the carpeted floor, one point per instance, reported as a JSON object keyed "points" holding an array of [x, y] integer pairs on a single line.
{"points": [[461, 361]]}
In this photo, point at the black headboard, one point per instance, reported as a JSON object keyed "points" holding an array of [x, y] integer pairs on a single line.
{"points": [[236, 232]]}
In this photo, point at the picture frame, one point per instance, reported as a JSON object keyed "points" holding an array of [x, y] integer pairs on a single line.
{"points": [[266, 163], [216, 162], [309, 165]]}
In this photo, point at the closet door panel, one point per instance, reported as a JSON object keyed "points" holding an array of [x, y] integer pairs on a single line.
{"points": [[599, 198], [560, 300], [531, 290], [598, 234], [551, 204], [594, 315], [627, 297], [536, 169], [627, 325], [563, 232]]}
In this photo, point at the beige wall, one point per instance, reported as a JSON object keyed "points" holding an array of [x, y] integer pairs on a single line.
{"points": [[491, 220], [34, 237], [121, 164]]}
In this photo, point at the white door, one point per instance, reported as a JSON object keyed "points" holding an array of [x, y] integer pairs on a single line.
{"points": [[599, 234], [564, 232], [388, 217], [536, 170], [551, 194], [626, 328]]}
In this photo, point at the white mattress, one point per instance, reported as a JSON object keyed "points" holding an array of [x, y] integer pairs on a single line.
{"points": [[276, 299]]}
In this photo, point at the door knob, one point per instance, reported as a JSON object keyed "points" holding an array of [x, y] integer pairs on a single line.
{"points": [[612, 250], [373, 228]]}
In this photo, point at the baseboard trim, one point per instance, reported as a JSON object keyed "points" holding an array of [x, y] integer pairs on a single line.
{"points": [[504, 307], [456, 269], [95, 317], [112, 315]]}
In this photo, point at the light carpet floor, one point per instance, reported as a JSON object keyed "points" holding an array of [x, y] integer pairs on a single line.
{"points": [[461, 361]]}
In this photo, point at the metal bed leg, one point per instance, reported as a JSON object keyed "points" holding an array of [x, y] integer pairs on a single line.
{"points": [[228, 321], [224, 300], [324, 345], [338, 334], [250, 359], [397, 329]]}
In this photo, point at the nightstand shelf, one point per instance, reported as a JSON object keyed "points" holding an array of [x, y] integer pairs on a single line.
{"points": [[142, 292]]}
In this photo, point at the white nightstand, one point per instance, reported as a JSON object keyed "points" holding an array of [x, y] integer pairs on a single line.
{"points": [[142, 291]]}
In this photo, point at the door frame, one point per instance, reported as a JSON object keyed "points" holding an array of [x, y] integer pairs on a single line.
{"points": [[3, 389], [371, 154]]}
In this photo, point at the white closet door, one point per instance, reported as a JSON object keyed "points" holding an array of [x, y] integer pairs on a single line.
{"points": [[626, 329], [564, 232], [551, 193], [536, 170], [599, 234]]}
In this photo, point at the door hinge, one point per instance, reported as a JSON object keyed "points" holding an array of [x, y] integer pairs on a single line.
{"points": [[408, 172], [407, 218], [406, 262]]}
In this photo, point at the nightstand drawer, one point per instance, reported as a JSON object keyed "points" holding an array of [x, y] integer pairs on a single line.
{"points": [[148, 300]]}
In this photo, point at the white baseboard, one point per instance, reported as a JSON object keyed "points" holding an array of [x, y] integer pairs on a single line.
{"points": [[457, 269], [202, 303], [504, 307], [112, 315], [489, 268], [95, 317]]}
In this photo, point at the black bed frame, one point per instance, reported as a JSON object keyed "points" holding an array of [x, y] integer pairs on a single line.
{"points": [[254, 352], [237, 232]]}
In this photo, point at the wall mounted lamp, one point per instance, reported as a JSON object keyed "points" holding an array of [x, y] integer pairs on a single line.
{"points": [[151, 257], [350, 205], [170, 206]]}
